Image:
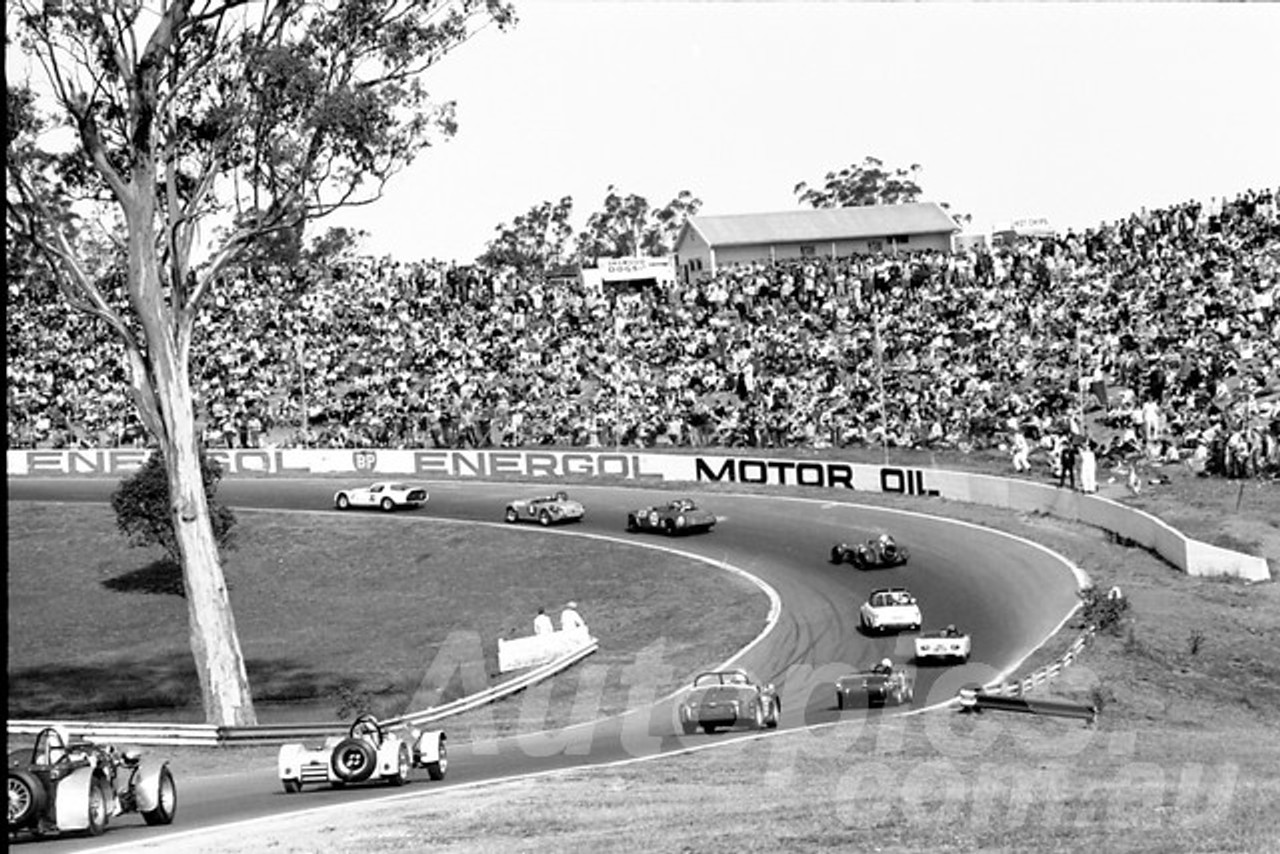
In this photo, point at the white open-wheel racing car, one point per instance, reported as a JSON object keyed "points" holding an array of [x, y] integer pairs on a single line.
{"points": [[368, 752], [64, 786]]}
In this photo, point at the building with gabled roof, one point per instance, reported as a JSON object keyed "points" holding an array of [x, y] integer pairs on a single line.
{"points": [[709, 243]]}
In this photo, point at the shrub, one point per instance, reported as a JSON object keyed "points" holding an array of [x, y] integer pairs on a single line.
{"points": [[144, 515], [1103, 609]]}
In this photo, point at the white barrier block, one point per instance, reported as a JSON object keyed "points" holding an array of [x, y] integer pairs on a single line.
{"points": [[533, 650]]}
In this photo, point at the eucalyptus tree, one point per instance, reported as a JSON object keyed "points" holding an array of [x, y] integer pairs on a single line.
{"points": [[628, 225], [534, 241], [866, 183], [183, 133]]}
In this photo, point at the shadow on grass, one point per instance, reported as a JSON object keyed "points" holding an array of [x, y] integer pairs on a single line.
{"points": [[167, 688], [162, 577]]}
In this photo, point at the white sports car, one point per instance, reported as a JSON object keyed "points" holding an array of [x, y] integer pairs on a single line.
{"points": [[368, 752], [949, 644], [546, 510], [890, 609], [384, 495]]}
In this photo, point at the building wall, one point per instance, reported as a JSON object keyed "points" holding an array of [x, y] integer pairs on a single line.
{"points": [[692, 250]]}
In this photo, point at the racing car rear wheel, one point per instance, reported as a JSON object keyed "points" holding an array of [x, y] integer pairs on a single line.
{"points": [[512, 515], [837, 554], [689, 727], [437, 769], [709, 729], [166, 801], [632, 525], [840, 700], [26, 799], [353, 760], [401, 775], [388, 505], [343, 502], [775, 712], [759, 721]]}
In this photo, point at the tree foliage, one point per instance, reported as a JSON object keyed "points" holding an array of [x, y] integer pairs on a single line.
{"points": [[183, 134], [144, 510], [628, 225], [534, 241], [868, 183]]}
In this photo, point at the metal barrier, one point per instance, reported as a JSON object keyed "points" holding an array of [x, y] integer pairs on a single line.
{"points": [[979, 701], [210, 735]]}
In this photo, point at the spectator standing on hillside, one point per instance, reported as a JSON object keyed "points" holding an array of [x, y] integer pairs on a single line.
{"points": [[1069, 457], [542, 623], [1088, 468], [570, 619], [1021, 452]]}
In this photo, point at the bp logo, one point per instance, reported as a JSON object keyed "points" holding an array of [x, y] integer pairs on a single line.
{"points": [[365, 460]]}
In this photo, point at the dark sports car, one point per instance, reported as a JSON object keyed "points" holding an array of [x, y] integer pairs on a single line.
{"points": [[727, 698], [875, 687], [64, 786], [880, 553], [681, 516]]}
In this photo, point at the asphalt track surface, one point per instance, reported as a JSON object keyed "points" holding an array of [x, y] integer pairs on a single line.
{"points": [[1009, 593]]}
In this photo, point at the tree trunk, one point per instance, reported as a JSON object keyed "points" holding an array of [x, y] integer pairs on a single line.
{"points": [[224, 682], [165, 396]]}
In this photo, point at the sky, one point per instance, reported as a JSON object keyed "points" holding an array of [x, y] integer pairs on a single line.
{"points": [[1078, 113]]}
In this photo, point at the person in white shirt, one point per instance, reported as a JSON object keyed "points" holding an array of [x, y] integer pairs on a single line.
{"points": [[570, 619], [542, 623]]}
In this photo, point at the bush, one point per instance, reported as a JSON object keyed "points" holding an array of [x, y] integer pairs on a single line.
{"points": [[143, 513], [1103, 609]]}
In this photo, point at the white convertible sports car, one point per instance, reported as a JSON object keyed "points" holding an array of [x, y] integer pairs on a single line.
{"points": [[890, 609], [949, 644], [383, 495], [368, 752], [546, 510]]}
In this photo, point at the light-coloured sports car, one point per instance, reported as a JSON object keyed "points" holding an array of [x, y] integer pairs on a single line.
{"points": [[948, 644], [384, 495], [727, 698], [890, 609], [546, 510], [368, 752], [64, 786]]}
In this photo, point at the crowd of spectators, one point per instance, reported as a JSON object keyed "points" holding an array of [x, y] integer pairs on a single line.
{"points": [[1152, 339]]}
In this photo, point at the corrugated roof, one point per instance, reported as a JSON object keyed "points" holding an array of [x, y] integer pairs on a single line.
{"points": [[823, 224]]}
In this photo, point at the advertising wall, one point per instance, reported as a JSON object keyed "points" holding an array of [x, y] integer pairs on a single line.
{"points": [[1126, 522]]}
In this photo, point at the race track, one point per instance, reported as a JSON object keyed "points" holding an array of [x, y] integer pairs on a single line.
{"points": [[1009, 593]]}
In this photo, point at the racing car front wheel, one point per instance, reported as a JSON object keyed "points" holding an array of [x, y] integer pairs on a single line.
{"points": [[343, 502], [166, 801], [97, 807], [512, 515], [388, 505], [353, 760], [401, 774], [544, 518], [26, 799]]}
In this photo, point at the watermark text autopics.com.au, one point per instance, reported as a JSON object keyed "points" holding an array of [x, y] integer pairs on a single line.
{"points": [[876, 767]]}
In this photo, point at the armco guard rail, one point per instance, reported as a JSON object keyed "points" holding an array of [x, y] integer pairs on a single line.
{"points": [[210, 735], [980, 700]]}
